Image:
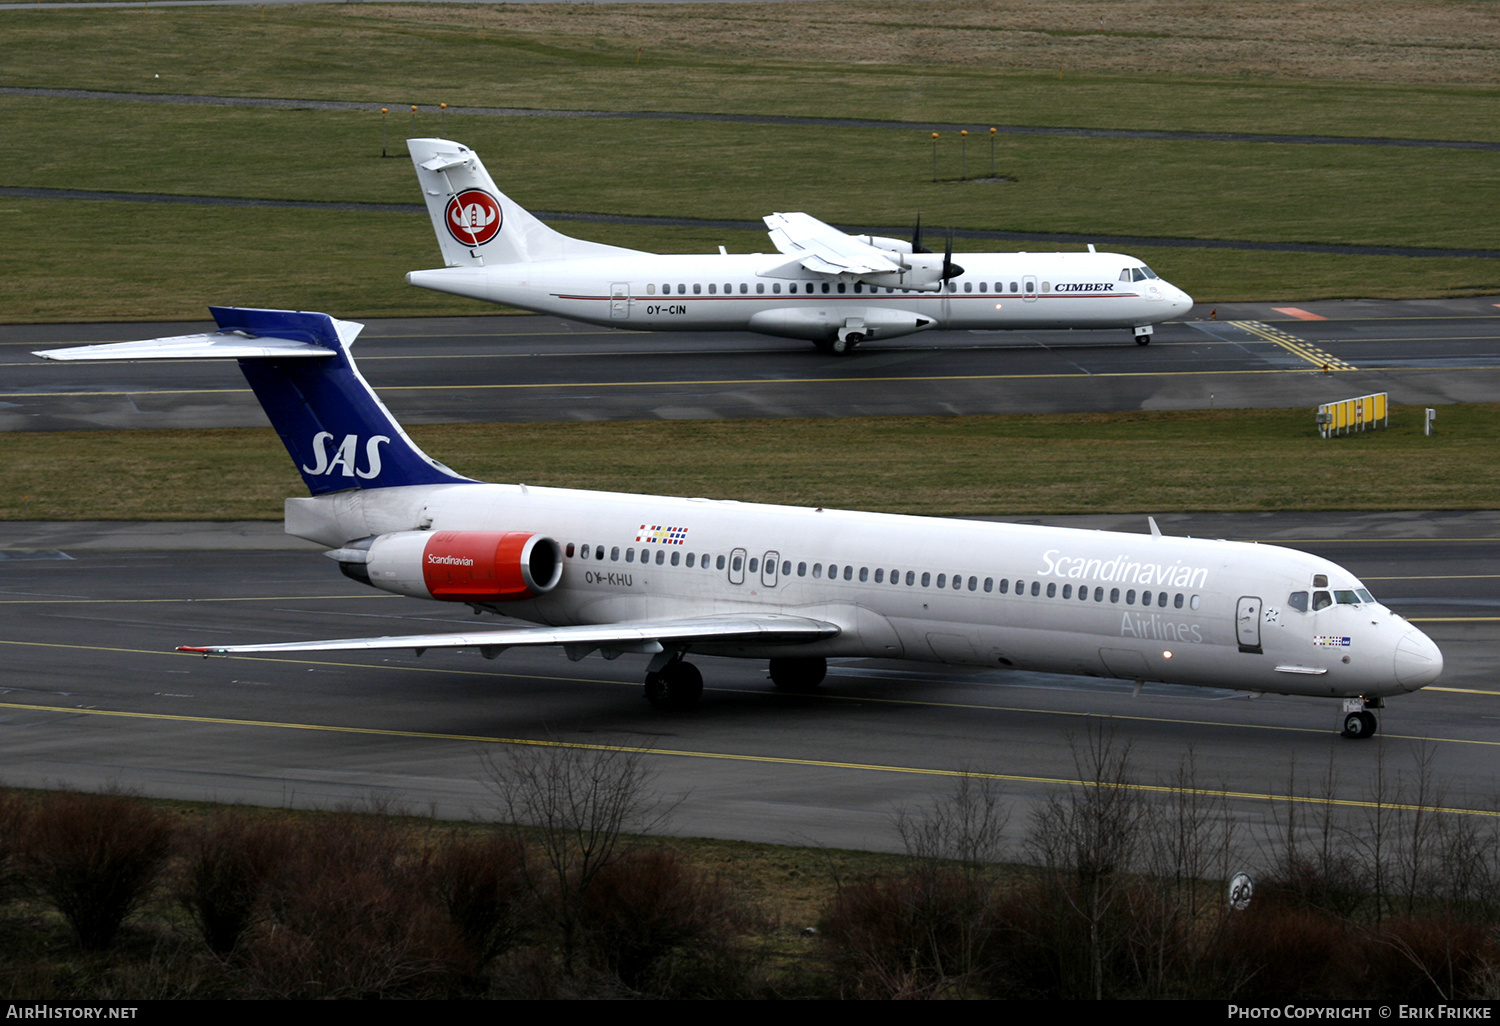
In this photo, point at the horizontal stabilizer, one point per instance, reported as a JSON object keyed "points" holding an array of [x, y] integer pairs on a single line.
{"points": [[220, 345], [244, 334], [642, 636], [334, 427]]}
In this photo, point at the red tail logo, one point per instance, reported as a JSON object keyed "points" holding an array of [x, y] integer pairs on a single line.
{"points": [[473, 217]]}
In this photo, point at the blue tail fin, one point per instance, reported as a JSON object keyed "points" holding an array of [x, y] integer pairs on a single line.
{"points": [[338, 432]]}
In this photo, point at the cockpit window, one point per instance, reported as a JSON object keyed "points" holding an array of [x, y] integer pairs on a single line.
{"points": [[1346, 598], [1320, 580], [1298, 601], [1365, 596], [1125, 274], [1322, 600]]}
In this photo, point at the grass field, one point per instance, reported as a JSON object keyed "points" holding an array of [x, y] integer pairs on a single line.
{"points": [[1133, 462], [1417, 70]]}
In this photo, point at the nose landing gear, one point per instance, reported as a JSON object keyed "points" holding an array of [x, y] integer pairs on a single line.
{"points": [[1359, 721]]}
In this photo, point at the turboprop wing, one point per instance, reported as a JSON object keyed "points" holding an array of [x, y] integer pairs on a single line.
{"points": [[875, 260]]}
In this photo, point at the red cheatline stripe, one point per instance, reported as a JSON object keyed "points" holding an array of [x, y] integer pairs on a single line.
{"points": [[1301, 315]]}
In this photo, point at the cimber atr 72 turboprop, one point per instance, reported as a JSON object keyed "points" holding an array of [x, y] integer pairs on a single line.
{"points": [[833, 289]]}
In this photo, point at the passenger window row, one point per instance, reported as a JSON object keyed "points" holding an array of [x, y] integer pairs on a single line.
{"points": [[775, 288], [896, 577]]}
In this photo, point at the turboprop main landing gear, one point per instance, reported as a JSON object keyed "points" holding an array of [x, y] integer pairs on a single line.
{"points": [[843, 343], [1143, 335], [1359, 722], [798, 674], [675, 687]]}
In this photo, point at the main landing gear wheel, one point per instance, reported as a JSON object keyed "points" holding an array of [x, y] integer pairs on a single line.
{"points": [[798, 674], [1359, 725], [675, 687]]}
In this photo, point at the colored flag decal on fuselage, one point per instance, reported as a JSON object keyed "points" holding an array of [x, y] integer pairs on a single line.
{"points": [[1330, 641], [473, 217], [655, 534]]}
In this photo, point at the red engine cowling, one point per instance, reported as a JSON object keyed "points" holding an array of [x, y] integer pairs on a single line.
{"points": [[465, 566]]}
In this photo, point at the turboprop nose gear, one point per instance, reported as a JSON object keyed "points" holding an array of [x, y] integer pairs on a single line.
{"points": [[1143, 335]]}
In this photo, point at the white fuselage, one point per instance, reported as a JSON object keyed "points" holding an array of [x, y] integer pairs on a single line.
{"points": [[1130, 606], [730, 292]]}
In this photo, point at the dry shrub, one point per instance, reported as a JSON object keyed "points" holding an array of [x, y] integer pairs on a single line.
{"points": [[346, 916], [1430, 959], [481, 884], [231, 859], [574, 806], [95, 857], [15, 817], [1282, 953], [1053, 941], [919, 935], [649, 906]]}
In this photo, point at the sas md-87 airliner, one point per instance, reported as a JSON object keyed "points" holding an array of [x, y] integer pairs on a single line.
{"points": [[667, 577], [833, 289]]}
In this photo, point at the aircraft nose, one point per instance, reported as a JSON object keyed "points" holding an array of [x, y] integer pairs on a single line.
{"points": [[1180, 300], [1418, 661]]}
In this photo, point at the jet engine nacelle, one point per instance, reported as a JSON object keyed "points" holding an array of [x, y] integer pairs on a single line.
{"points": [[463, 566]]}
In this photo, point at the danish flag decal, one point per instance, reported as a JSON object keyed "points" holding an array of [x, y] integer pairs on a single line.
{"points": [[473, 217]]}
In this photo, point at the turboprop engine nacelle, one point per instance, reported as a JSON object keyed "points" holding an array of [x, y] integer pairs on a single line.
{"points": [[919, 271], [883, 242], [458, 566]]}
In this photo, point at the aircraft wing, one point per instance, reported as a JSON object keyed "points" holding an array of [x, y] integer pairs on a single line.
{"points": [[824, 249], [649, 636]]}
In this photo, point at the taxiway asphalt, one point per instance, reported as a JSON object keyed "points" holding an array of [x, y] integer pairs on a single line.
{"points": [[528, 368]]}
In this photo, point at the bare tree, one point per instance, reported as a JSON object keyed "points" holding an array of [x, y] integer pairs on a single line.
{"points": [[1087, 840], [966, 826], [575, 804], [949, 892], [1187, 837]]}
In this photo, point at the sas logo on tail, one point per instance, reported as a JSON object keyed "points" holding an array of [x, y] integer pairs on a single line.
{"points": [[473, 217], [345, 457]]}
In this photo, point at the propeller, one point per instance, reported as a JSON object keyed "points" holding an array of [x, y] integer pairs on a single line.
{"points": [[950, 269], [916, 237]]}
